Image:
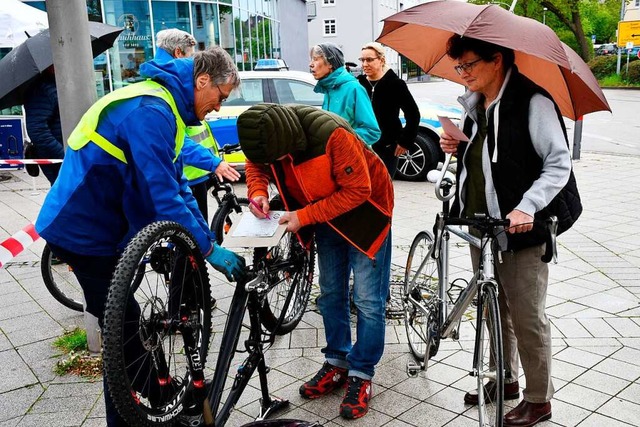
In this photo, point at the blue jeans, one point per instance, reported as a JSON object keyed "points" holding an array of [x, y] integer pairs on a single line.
{"points": [[370, 289]]}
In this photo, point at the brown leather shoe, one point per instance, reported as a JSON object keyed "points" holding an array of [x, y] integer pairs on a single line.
{"points": [[511, 392], [527, 414]]}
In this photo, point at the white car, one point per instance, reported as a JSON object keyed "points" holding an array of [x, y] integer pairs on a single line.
{"points": [[287, 87]]}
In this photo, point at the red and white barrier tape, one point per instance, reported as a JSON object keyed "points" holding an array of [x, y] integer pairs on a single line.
{"points": [[17, 162], [11, 247]]}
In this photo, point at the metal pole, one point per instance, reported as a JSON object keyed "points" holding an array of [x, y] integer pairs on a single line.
{"points": [[75, 81], [73, 60], [622, 9], [577, 138]]}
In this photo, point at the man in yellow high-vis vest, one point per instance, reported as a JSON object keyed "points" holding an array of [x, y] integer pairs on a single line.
{"points": [[123, 170], [200, 151]]}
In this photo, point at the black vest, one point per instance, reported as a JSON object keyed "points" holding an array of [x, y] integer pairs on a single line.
{"points": [[519, 165]]}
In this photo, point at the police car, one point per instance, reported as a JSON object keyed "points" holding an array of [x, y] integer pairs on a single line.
{"points": [[286, 87]]}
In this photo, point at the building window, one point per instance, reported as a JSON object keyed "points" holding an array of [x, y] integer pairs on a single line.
{"points": [[329, 27], [637, 3], [328, 2], [199, 18]]}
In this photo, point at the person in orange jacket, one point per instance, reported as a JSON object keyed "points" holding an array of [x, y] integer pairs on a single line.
{"points": [[334, 185]]}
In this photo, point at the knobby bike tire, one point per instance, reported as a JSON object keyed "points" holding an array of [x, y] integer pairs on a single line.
{"points": [[420, 298], [489, 358], [294, 282], [61, 282], [160, 285]]}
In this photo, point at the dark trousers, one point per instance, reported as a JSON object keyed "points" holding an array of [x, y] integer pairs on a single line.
{"points": [[387, 154], [94, 275], [200, 194]]}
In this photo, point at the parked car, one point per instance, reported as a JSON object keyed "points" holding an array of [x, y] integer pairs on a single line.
{"points": [[287, 87], [635, 51], [270, 65], [606, 49]]}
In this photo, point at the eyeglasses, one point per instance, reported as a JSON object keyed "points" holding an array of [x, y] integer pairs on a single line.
{"points": [[466, 67], [368, 60], [222, 98]]}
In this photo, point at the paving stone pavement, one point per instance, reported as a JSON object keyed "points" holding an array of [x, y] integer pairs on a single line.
{"points": [[593, 302]]}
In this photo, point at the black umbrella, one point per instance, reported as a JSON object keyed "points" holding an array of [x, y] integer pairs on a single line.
{"points": [[24, 63]]}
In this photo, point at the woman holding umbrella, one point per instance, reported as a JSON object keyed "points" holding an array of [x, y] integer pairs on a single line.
{"points": [[516, 166]]}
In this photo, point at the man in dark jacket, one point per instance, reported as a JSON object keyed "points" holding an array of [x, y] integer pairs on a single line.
{"points": [[43, 122]]}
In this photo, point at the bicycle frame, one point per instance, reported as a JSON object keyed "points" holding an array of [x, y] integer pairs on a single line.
{"points": [[248, 297]]}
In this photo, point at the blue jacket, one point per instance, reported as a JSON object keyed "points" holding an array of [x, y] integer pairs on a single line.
{"points": [[193, 154], [345, 96], [98, 202]]}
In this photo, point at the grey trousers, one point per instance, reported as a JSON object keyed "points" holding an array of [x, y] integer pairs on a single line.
{"points": [[526, 330]]}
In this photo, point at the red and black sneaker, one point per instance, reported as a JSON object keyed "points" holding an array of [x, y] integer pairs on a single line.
{"points": [[327, 379], [356, 402]]}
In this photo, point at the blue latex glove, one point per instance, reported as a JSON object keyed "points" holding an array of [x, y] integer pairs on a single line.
{"points": [[229, 263]]}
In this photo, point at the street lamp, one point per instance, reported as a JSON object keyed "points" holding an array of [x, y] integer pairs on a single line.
{"points": [[544, 15]]}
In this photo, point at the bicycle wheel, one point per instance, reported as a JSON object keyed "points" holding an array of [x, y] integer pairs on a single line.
{"points": [[489, 363], [421, 301], [59, 279], [228, 213], [290, 268], [158, 310]]}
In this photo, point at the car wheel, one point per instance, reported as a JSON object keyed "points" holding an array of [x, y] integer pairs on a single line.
{"points": [[419, 160]]}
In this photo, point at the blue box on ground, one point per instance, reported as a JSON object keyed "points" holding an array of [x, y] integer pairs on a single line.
{"points": [[225, 131], [11, 140]]}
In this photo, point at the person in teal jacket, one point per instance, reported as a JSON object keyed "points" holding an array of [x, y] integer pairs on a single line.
{"points": [[343, 94], [105, 194]]}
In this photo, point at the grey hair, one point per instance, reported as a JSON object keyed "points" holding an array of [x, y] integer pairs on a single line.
{"points": [[217, 64], [316, 51], [173, 38]]}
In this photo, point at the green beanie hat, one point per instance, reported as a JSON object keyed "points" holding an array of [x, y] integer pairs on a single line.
{"points": [[270, 131]]}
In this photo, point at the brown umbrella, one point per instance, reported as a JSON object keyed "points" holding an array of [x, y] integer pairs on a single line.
{"points": [[421, 33]]}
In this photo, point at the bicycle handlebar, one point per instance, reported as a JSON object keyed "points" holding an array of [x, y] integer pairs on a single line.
{"points": [[486, 223], [229, 148]]}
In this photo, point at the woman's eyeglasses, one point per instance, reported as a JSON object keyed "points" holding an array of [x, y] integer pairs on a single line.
{"points": [[368, 60], [466, 67]]}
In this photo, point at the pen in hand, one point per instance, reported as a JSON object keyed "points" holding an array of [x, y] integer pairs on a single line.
{"points": [[257, 206]]}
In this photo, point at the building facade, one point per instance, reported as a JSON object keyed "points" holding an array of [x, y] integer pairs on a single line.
{"points": [[352, 23], [247, 29], [632, 10]]}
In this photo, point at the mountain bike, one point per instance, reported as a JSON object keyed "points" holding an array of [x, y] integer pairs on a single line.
{"points": [[434, 305], [157, 329], [292, 294]]}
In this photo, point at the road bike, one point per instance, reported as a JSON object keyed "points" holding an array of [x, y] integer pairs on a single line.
{"points": [[434, 305], [157, 329]]}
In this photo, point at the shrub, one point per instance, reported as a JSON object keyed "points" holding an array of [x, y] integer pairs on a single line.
{"points": [[602, 66], [633, 76]]}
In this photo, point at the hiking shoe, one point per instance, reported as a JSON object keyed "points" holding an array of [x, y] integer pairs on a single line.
{"points": [[356, 402], [327, 379]]}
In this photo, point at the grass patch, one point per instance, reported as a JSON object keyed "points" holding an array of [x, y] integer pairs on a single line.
{"points": [[77, 360], [615, 80]]}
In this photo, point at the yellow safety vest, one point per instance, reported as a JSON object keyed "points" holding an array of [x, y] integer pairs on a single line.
{"points": [[202, 135], [85, 132]]}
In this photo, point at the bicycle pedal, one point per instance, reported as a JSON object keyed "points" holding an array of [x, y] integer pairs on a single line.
{"points": [[413, 369]]}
